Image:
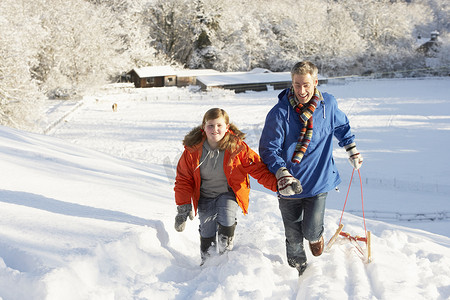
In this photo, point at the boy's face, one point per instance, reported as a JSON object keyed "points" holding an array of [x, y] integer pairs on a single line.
{"points": [[304, 87]]}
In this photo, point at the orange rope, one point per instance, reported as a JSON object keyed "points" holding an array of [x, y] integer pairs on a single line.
{"points": [[362, 203], [346, 197]]}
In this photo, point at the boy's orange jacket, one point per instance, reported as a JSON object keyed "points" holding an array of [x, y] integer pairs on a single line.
{"points": [[236, 165]]}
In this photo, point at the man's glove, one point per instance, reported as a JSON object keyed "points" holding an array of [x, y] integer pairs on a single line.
{"points": [[354, 157], [288, 185], [184, 211]]}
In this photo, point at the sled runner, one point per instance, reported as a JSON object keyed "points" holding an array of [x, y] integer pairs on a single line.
{"points": [[365, 254]]}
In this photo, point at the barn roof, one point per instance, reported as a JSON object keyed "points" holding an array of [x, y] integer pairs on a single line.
{"points": [[155, 71]]}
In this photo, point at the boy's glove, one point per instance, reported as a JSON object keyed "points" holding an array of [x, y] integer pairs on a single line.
{"points": [[354, 157], [288, 185], [184, 211]]}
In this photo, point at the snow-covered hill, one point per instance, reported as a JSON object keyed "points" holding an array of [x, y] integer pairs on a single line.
{"points": [[88, 210]]}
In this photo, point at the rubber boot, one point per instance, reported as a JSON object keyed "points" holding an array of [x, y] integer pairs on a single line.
{"points": [[226, 237], [206, 246]]}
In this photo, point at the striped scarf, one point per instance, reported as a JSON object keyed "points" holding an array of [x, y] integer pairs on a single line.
{"points": [[305, 112]]}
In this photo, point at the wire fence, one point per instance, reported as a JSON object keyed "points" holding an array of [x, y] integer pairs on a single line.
{"points": [[409, 73], [405, 185], [403, 216]]}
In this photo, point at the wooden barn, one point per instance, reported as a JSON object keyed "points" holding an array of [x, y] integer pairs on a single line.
{"points": [[157, 76]]}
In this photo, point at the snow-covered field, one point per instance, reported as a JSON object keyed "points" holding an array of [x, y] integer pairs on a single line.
{"points": [[87, 210]]}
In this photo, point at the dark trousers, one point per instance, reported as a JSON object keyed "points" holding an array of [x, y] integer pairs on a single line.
{"points": [[302, 218]]}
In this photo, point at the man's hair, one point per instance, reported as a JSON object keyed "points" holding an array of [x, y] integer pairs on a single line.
{"points": [[303, 68]]}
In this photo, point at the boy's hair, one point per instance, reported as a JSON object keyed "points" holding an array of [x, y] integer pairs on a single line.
{"points": [[303, 68], [228, 142]]}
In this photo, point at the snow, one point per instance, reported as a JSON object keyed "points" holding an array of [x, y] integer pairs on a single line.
{"points": [[88, 209]]}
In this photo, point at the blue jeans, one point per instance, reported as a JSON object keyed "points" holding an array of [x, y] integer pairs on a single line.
{"points": [[213, 211], [302, 218]]}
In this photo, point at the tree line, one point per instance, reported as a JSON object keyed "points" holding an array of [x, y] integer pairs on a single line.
{"points": [[60, 48]]}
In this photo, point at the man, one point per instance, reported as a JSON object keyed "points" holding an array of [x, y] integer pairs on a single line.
{"points": [[296, 145]]}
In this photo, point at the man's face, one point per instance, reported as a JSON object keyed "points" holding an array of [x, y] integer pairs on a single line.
{"points": [[304, 87]]}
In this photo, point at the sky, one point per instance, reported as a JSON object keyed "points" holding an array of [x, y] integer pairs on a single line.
{"points": [[88, 207]]}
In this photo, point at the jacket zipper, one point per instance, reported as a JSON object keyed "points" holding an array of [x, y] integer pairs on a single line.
{"points": [[323, 105]]}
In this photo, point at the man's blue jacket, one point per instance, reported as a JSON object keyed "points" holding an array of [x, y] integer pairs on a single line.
{"points": [[317, 171]]}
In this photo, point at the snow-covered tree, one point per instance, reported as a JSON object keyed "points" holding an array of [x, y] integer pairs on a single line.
{"points": [[80, 48], [134, 33], [234, 38], [206, 23], [341, 47], [20, 38], [172, 24], [388, 30], [437, 13], [49, 45]]}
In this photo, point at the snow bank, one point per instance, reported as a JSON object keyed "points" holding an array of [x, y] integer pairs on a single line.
{"points": [[88, 212]]}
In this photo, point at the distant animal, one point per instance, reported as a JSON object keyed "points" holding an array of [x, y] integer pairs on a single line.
{"points": [[114, 107]]}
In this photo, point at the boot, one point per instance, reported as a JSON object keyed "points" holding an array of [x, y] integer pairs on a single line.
{"points": [[226, 237], [301, 268], [317, 247], [207, 245]]}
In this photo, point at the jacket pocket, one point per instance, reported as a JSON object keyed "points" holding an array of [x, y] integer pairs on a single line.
{"points": [[320, 132]]}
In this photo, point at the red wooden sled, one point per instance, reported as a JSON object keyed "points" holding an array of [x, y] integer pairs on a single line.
{"points": [[356, 241]]}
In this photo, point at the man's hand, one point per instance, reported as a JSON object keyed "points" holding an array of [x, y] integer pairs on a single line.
{"points": [[288, 185], [354, 157], [184, 211]]}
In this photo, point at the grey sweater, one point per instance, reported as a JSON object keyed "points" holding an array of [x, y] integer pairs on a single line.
{"points": [[213, 177]]}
